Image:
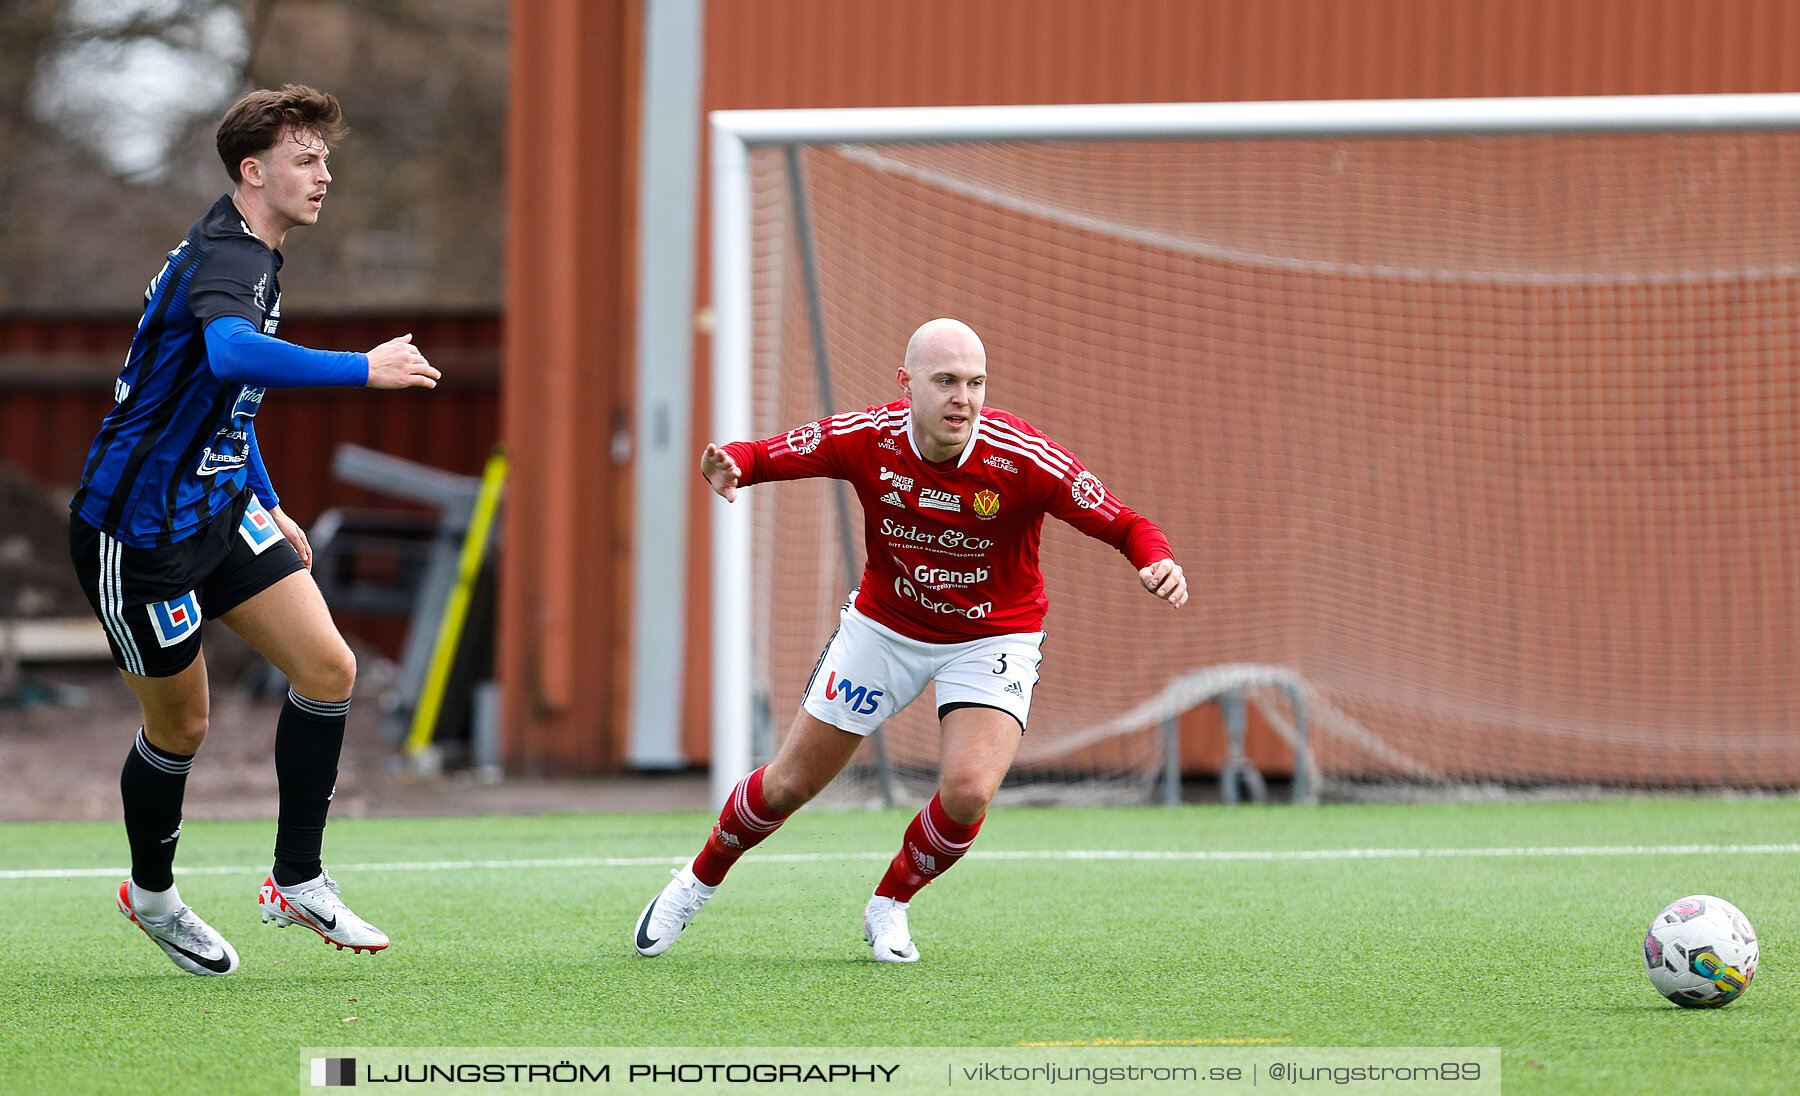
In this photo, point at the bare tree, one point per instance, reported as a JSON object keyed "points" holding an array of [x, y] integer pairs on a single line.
{"points": [[415, 219]]}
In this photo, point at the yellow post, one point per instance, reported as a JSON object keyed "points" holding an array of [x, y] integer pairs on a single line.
{"points": [[456, 610]]}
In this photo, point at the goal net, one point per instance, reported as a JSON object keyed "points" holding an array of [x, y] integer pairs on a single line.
{"points": [[1480, 420]]}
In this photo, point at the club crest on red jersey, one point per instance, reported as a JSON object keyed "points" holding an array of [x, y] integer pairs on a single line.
{"points": [[987, 503], [804, 439], [1088, 491]]}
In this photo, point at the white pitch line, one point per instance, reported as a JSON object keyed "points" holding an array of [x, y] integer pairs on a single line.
{"points": [[1501, 851]]}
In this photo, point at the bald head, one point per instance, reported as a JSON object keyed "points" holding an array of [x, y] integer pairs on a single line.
{"points": [[945, 378], [940, 341]]}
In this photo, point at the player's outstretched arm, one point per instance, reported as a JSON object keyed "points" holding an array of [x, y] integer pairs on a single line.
{"points": [[1164, 579], [397, 363], [720, 471]]}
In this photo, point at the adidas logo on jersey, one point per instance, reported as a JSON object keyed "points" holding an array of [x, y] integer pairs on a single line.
{"points": [[892, 498]]}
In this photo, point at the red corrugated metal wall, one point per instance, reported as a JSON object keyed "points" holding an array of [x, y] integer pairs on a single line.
{"points": [[824, 53], [803, 53]]}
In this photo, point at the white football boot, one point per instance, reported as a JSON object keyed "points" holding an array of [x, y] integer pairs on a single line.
{"points": [[315, 904], [884, 927], [192, 944], [670, 911]]}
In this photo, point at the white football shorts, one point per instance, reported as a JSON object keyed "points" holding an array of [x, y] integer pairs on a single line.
{"points": [[869, 672]]}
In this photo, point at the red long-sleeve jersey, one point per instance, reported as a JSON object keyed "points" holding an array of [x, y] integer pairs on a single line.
{"points": [[953, 546]]}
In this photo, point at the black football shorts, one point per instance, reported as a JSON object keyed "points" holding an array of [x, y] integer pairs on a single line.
{"points": [[151, 601]]}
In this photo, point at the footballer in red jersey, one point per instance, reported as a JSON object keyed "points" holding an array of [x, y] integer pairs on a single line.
{"points": [[954, 496], [952, 544]]}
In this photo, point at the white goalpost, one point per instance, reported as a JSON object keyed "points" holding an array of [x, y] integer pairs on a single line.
{"points": [[1481, 416]]}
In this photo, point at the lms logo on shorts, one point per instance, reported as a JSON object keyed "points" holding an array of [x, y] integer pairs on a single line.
{"points": [[258, 528], [862, 699], [175, 620]]}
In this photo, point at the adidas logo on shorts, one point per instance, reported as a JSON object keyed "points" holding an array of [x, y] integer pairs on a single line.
{"points": [[1013, 688]]}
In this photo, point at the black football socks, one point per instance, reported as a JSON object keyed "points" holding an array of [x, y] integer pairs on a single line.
{"points": [[152, 784], [308, 739]]}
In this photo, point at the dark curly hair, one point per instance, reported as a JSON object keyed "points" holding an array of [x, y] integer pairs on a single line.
{"points": [[255, 122]]}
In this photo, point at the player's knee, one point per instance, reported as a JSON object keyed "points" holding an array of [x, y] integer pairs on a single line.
{"points": [[330, 676], [786, 792], [966, 799], [178, 732]]}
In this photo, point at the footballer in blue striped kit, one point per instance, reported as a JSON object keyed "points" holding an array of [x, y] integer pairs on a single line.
{"points": [[177, 522]]}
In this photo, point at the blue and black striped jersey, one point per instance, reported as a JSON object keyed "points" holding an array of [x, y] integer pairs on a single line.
{"points": [[179, 444]]}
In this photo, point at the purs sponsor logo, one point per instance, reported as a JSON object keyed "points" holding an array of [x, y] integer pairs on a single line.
{"points": [[940, 500]]}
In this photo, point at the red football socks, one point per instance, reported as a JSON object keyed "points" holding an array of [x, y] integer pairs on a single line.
{"points": [[742, 825], [934, 841]]}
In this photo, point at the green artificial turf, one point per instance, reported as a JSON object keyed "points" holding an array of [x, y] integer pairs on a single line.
{"points": [[1402, 945]]}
